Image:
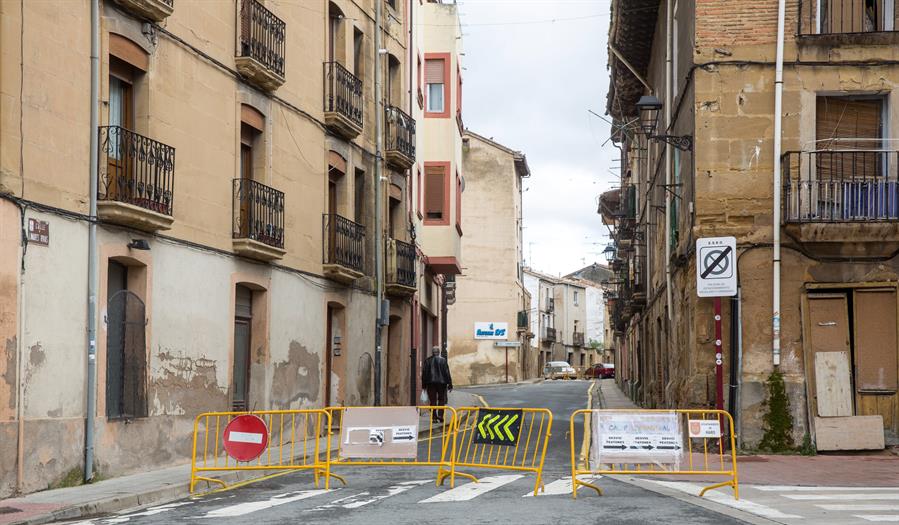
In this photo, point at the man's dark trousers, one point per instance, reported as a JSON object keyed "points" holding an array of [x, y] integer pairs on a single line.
{"points": [[437, 397]]}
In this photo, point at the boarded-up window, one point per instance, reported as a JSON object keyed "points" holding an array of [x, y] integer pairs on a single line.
{"points": [[435, 193], [876, 365]]}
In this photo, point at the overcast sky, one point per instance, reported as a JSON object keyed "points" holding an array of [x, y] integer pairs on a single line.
{"points": [[529, 82]]}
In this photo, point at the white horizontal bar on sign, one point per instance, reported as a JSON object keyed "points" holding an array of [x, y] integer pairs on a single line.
{"points": [[245, 437]]}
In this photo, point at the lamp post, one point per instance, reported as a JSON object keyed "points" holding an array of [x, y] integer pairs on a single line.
{"points": [[649, 108], [609, 253]]}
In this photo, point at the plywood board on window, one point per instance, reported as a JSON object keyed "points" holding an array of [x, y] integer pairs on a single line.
{"points": [[876, 348], [849, 433], [834, 384]]}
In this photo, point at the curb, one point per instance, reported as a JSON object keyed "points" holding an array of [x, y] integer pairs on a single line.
{"points": [[497, 385]]}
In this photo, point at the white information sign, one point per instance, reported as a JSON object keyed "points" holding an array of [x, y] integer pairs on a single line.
{"points": [[490, 330], [704, 428], [716, 267], [375, 436], [634, 437], [404, 434]]}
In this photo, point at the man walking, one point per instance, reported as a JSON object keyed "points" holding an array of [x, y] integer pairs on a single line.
{"points": [[436, 379]]}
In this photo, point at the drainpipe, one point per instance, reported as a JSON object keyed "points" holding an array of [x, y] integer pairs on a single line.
{"points": [[669, 96], [379, 241], [92, 248], [778, 122]]}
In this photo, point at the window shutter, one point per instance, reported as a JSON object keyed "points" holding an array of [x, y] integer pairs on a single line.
{"points": [[434, 71], [434, 192], [847, 118]]}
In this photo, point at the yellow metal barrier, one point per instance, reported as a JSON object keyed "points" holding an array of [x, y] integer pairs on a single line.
{"points": [[525, 453], [705, 458], [434, 446], [297, 440]]}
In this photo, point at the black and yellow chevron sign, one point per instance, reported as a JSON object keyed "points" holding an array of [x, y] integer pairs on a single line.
{"points": [[497, 427]]}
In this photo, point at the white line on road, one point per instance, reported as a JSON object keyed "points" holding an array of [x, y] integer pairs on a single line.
{"points": [[792, 488], [860, 507], [242, 509], [878, 517], [152, 511], [561, 486], [472, 490], [360, 500], [845, 497], [727, 499]]}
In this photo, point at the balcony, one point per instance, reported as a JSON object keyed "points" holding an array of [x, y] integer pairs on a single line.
{"points": [[343, 249], [840, 19], [400, 268], [343, 101], [549, 335], [842, 202], [577, 339], [400, 138], [155, 10], [136, 180], [260, 57], [258, 231]]}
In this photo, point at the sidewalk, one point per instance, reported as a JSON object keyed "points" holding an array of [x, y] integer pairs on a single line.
{"points": [[135, 490], [876, 469]]}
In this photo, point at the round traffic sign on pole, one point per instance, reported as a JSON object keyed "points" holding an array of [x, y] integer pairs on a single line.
{"points": [[245, 437]]}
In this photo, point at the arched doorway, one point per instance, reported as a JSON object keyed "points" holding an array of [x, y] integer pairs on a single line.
{"points": [[126, 352]]}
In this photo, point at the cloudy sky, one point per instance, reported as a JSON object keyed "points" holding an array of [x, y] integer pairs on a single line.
{"points": [[529, 83]]}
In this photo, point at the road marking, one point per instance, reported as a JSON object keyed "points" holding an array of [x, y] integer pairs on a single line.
{"points": [[878, 517], [846, 497], [242, 509], [359, 500], [152, 511], [791, 488], [727, 499], [561, 486], [860, 507], [472, 490]]}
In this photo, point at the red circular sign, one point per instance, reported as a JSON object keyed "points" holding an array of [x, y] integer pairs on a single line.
{"points": [[245, 437]]}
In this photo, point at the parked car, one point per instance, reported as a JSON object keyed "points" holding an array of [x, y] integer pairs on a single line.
{"points": [[559, 370], [600, 371]]}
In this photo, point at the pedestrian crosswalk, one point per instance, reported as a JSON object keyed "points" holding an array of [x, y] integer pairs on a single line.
{"points": [[803, 504], [312, 501]]}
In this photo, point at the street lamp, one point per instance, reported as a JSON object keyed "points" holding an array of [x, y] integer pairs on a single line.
{"points": [[648, 108], [609, 253]]}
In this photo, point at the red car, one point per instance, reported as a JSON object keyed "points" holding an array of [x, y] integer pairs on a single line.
{"points": [[601, 371]]}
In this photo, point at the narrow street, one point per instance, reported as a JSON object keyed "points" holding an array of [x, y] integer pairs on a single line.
{"points": [[408, 495]]}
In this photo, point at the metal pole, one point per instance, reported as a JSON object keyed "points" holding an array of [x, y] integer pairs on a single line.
{"points": [[719, 371], [778, 123], [379, 241], [92, 248]]}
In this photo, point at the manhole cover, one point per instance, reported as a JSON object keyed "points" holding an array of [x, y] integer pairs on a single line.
{"points": [[9, 510]]}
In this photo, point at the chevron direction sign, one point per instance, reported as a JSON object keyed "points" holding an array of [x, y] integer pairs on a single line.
{"points": [[498, 427]]}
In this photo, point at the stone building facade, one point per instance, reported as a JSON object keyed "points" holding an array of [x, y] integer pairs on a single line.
{"points": [[838, 226], [235, 227]]}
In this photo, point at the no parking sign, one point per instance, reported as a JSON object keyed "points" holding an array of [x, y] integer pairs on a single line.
{"points": [[716, 267]]}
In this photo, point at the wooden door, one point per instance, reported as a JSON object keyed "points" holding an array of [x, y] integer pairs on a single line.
{"points": [[876, 356], [240, 375], [828, 320], [329, 329], [119, 153]]}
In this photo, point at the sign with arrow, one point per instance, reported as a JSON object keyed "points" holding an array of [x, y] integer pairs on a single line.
{"points": [[716, 267], [498, 427], [637, 437]]}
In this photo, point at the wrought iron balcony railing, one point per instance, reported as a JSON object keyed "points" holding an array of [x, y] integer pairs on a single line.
{"points": [[549, 334], [577, 338], [400, 133], [262, 36], [136, 170], [841, 186], [842, 17], [401, 266], [258, 213], [344, 242], [343, 93]]}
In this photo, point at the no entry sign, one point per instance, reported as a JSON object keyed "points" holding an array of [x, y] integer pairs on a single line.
{"points": [[245, 437]]}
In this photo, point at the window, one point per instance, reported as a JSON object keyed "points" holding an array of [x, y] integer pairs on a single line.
{"points": [[575, 303], [421, 97], [436, 193], [854, 124], [358, 55], [126, 356], [436, 73], [394, 82], [673, 210], [240, 374], [359, 199], [458, 203]]}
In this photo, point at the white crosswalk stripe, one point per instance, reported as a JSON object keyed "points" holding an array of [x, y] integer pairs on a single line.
{"points": [[878, 517], [472, 490], [364, 498], [242, 509], [561, 487], [727, 499], [844, 497], [858, 507]]}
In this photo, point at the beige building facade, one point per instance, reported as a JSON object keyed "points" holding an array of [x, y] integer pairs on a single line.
{"points": [[236, 221], [488, 328], [835, 216]]}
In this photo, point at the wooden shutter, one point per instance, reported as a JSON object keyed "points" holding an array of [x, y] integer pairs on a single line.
{"points": [[435, 197], [846, 118], [876, 364], [434, 71]]}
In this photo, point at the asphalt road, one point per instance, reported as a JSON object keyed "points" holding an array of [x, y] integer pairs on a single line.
{"points": [[408, 495]]}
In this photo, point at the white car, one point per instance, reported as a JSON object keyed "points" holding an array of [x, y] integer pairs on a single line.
{"points": [[559, 369]]}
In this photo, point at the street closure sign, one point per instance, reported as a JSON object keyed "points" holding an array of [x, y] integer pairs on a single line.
{"points": [[245, 437], [379, 432], [716, 267], [633, 437], [498, 427]]}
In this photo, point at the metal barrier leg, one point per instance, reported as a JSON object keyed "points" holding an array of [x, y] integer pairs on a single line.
{"points": [[729, 483], [443, 474], [576, 482], [209, 480]]}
